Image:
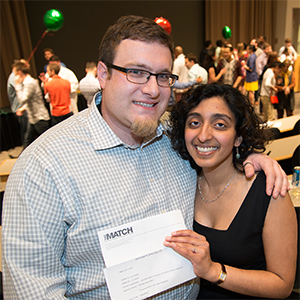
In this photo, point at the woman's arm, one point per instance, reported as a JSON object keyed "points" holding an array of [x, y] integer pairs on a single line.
{"points": [[212, 74], [280, 246]]}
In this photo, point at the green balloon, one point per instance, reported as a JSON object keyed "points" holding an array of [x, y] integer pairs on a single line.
{"points": [[226, 32], [53, 19]]}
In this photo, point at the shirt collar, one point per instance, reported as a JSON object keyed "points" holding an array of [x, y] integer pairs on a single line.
{"points": [[102, 135]]}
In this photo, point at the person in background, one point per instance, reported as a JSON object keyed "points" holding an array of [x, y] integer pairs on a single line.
{"points": [[285, 84], [268, 88], [67, 74], [244, 243], [48, 53], [89, 85], [106, 166], [233, 75], [219, 44], [241, 55], [31, 99], [14, 102], [290, 53], [209, 65], [262, 60], [180, 69], [251, 80], [57, 92], [258, 51], [207, 45], [195, 70], [272, 58], [261, 40]]}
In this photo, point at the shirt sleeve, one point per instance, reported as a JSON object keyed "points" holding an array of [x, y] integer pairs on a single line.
{"points": [[74, 82], [269, 78], [33, 234], [184, 85], [25, 92]]}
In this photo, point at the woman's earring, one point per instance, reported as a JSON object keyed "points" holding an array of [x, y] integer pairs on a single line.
{"points": [[237, 153]]}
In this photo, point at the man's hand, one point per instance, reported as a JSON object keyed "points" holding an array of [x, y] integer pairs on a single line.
{"points": [[18, 79], [20, 111], [277, 182], [42, 77], [199, 79]]}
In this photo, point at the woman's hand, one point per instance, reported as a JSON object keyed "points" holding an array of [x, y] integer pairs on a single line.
{"points": [[195, 248]]}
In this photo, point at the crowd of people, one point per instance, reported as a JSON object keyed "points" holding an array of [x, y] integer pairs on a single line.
{"points": [[115, 163], [253, 69], [41, 105], [244, 68]]}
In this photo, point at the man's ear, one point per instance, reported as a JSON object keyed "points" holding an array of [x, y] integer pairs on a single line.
{"points": [[102, 74]]}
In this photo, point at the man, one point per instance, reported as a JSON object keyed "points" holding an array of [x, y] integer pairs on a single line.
{"points": [[67, 74], [57, 91], [179, 67], [48, 53], [14, 102], [89, 85], [108, 165], [291, 49], [181, 70], [261, 61], [30, 97], [258, 51], [233, 75], [195, 70], [261, 40]]}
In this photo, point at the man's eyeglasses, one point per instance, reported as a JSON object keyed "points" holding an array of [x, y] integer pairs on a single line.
{"points": [[142, 76]]}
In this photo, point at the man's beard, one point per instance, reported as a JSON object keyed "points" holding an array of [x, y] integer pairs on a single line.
{"points": [[144, 128]]}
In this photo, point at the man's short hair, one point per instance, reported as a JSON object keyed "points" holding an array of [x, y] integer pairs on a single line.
{"points": [[207, 43], [19, 66], [265, 45], [54, 58], [134, 28], [288, 40], [229, 46], [192, 57], [251, 47], [49, 50], [90, 65], [278, 64], [219, 43], [54, 67]]}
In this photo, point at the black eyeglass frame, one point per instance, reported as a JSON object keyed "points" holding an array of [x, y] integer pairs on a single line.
{"points": [[174, 77]]}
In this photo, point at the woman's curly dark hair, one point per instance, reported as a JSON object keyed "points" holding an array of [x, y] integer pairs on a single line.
{"points": [[248, 124]]}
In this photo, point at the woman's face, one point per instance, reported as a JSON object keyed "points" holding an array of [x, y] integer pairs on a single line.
{"points": [[210, 133]]}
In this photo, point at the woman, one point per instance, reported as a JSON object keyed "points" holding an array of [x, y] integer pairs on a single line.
{"points": [[251, 81], [209, 65], [246, 242]]}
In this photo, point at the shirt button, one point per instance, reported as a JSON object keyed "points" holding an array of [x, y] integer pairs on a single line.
{"points": [[151, 180]]}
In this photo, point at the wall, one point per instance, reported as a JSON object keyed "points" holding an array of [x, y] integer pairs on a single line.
{"points": [[85, 22], [286, 22]]}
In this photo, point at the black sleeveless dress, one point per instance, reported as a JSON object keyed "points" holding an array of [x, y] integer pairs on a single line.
{"points": [[241, 244]]}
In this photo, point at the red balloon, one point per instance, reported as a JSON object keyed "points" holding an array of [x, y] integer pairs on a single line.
{"points": [[164, 23]]}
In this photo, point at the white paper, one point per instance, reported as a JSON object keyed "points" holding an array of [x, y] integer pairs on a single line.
{"points": [[138, 264]]}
